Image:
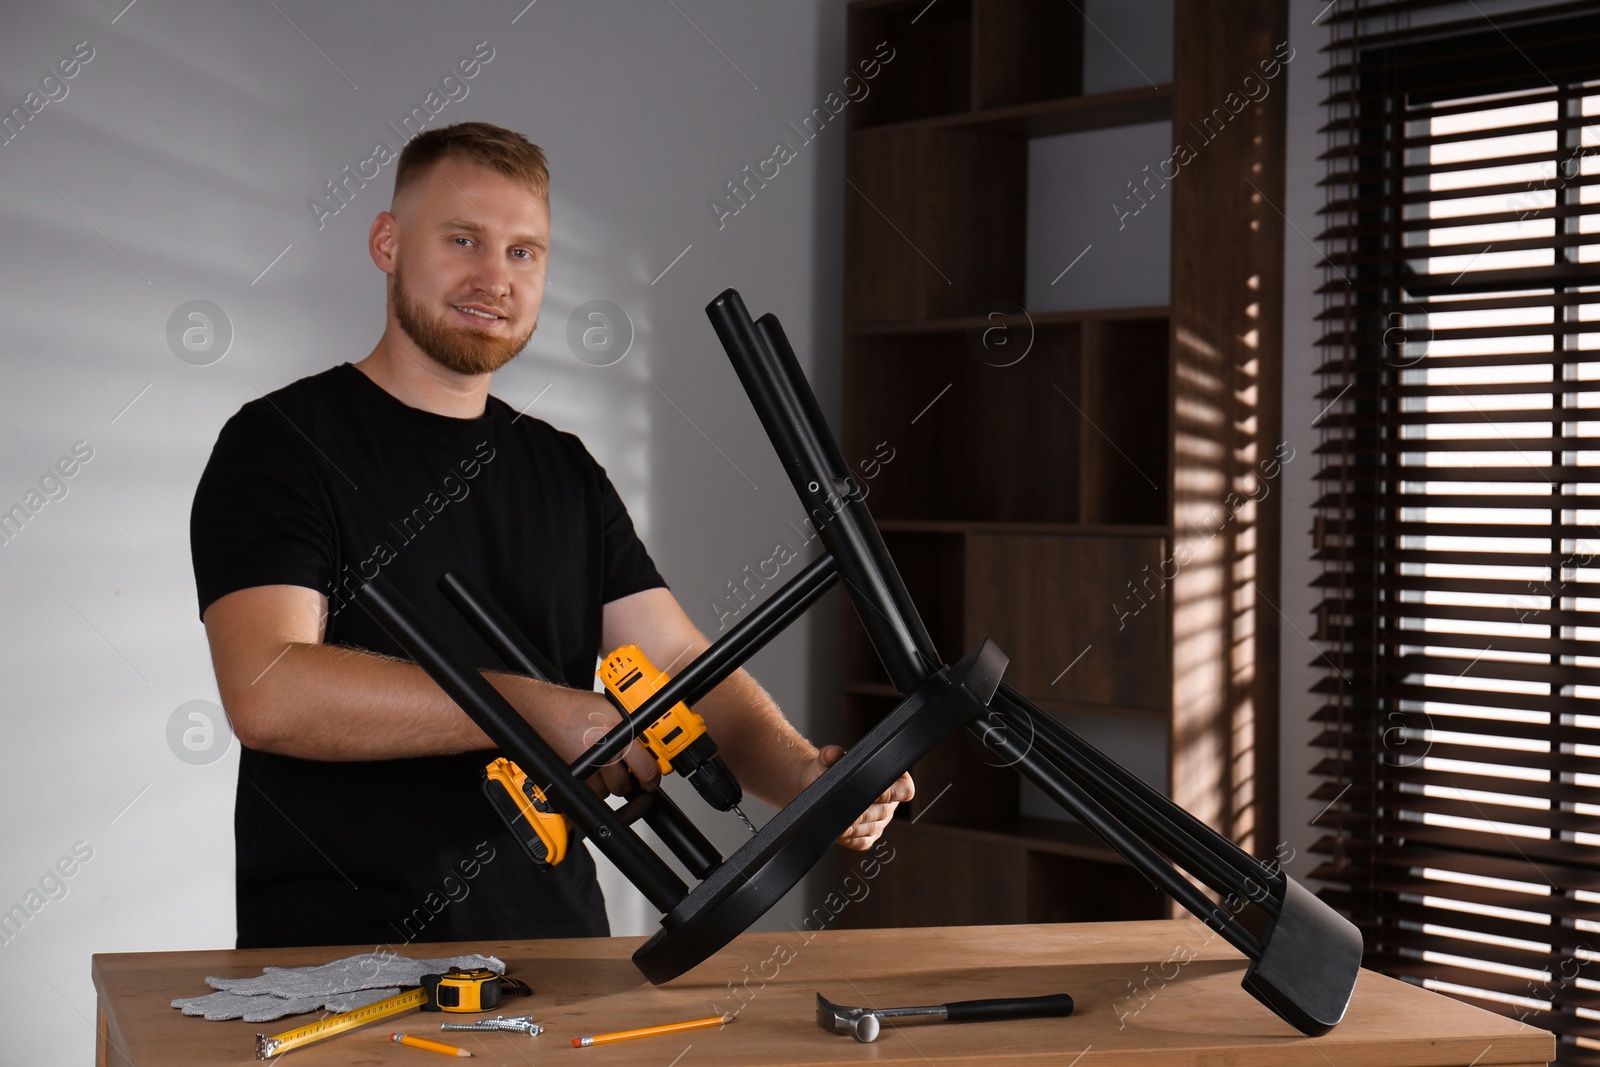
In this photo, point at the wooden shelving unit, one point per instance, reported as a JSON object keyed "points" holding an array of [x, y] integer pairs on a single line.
{"points": [[1029, 492]]}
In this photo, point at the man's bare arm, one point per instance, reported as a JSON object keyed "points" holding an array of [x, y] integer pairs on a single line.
{"points": [[287, 693], [763, 750]]}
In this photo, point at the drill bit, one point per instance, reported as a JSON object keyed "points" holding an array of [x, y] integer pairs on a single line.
{"points": [[743, 817]]}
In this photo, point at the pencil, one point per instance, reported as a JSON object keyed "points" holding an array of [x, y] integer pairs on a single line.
{"points": [[431, 1046], [651, 1031]]}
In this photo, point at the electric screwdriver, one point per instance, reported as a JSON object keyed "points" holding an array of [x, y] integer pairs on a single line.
{"points": [[678, 740]]}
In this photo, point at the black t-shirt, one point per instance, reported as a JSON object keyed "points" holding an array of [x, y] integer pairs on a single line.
{"points": [[324, 483]]}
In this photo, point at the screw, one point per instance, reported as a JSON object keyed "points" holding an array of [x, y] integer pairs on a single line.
{"points": [[521, 1024]]}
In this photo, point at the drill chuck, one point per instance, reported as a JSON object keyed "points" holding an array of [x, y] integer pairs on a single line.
{"points": [[708, 774]]}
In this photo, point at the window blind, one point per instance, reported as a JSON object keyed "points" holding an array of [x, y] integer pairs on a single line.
{"points": [[1457, 520]]}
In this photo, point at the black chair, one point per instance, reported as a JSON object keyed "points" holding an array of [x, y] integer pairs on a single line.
{"points": [[1305, 957]]}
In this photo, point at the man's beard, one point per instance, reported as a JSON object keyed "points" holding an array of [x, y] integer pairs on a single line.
{"points": [[458, 348]]}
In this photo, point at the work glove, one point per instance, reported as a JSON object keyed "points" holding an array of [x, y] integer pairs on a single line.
{"points": [[342, 985]]}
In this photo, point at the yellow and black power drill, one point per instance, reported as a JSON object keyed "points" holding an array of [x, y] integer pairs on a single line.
{"points": [[678, 741]]}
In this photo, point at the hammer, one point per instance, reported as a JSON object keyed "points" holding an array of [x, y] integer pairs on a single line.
{"points": [[862, 1023]]}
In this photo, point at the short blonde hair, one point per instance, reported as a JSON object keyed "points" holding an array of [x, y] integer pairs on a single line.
{"points": [[495, 147]]}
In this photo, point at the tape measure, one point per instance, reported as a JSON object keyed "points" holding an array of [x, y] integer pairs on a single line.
{"points": [[478, 989], [459, 990], [268, 1047]]}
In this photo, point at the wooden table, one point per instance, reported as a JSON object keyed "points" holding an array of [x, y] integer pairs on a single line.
{"points": [[1150, 994]]}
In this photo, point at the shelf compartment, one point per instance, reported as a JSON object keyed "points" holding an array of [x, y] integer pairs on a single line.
{"points": [[930, 70], [933, 224], [1064, 610], [1099, 219], [1013, 871], [972, 440], [1125, 430], [1025, 51]]}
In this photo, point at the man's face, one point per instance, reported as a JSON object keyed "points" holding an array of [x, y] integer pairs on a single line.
{"points": [[469, 265]]}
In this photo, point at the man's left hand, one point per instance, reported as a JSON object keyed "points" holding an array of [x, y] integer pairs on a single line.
{"points": [[866, 830]]}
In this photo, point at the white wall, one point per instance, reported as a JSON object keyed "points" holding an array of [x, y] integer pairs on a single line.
{"points": [[179, 166]]}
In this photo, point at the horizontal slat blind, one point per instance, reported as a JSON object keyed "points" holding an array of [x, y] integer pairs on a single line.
{"points": [[1458, 510]]}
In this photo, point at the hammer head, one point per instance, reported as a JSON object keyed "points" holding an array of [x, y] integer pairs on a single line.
{"points": [[838, 1019]]}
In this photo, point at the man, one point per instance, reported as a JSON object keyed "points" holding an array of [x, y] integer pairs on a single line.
{"points": [[359, 817]]}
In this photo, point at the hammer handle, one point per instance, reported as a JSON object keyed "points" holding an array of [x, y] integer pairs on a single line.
{"points": [[967, 1011]]}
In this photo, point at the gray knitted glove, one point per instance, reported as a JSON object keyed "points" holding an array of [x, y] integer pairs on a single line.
{"points": [[338, 986]]}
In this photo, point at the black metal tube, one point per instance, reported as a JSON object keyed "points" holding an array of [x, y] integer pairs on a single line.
{"points": [[638, 802], [497, 628], [1060, 787], [506, 728], [726, 655], [1194, 853], [676, 830], [788, 410], [681, 835], [1170, 819]]}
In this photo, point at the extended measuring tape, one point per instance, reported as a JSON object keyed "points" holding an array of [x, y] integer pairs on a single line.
{"points": [[478, 989]]}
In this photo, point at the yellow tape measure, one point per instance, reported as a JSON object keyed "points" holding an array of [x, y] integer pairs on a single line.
{"points": [[458, 990], [268, 1047]]}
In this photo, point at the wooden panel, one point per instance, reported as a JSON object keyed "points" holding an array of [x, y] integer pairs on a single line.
{"points": [[1025, 51], [944, 881], [1227, 272], [933, 223], [980, 788], [1064, 889], [928, 72], [1125, 409], [973, 440], [1044, 600], [956, 879]]}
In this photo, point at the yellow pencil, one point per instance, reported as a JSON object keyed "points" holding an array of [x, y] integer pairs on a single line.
{"points": [[431, 1046], [651, 1031]]}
